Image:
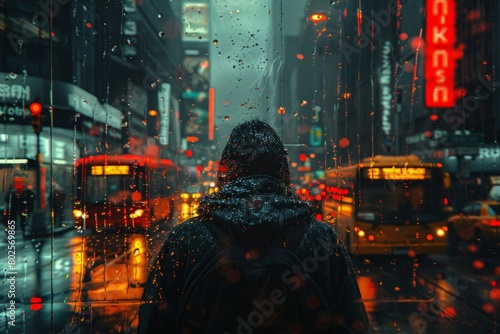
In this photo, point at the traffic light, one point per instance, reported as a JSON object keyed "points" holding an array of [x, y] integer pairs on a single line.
{"points": [[36, 117]]}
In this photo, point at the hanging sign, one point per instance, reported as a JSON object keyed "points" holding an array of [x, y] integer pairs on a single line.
{"points": [[440, 37]]}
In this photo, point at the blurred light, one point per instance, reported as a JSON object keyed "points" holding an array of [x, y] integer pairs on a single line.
{"points": [[478, 264], [371, 237], [89, 25], [77, 213], [429, 237], [281, 110], [450, 312], [153, 113], [317, 17], [433, 117], [494, 223], [189, 153], [302, 157], [343, 142], [440, 232], [495, 294], [361, 233], [300, 56], [192, 139], [36, 303], [312, 155], [35, 108], [319, 216]]}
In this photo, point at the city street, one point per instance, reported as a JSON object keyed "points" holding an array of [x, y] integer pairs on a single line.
{"points": [[93, 284]]}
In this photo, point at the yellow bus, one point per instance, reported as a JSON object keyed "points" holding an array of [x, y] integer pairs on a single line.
{"points": [[388, 205]]}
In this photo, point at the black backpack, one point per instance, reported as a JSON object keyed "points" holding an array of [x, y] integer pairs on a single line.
{"points": [[253, 287]]}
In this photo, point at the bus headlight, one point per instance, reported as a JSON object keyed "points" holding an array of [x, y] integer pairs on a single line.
{"points": [[440, 232], [137, 213]]}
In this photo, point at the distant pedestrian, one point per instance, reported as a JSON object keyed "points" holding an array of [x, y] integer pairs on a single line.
{"points": [[20, 202], [58, 200]]}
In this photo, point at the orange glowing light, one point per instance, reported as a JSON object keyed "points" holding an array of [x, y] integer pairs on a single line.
{"points": [[344, 142], [300, 56], [450, 312], [434, 117], [317, 17], [153, 113]]}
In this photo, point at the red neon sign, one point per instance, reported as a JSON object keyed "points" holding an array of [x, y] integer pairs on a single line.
{"points": [[440, 37]]}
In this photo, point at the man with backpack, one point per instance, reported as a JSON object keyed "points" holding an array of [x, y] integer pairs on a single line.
{"points": [[254, 260]]}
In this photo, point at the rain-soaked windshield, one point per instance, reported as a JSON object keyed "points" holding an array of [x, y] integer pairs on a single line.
{"points": [[114, 116]]}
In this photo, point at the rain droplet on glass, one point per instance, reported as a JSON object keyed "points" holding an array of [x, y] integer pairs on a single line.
{"points": [[161, 34], [159, 15], [216, 42], [226, 118]]}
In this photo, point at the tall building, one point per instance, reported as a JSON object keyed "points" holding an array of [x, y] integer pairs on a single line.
{"points": [[108, 76]]}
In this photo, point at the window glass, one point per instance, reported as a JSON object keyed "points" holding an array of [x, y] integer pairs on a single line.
{"points": [[114, 116]]}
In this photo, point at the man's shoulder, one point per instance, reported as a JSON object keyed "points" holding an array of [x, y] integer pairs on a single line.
{"points": [[188, 227], [321, 227]]}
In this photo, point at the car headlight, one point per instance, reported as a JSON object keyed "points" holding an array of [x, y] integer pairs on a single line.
{"points": [[137, 213]]}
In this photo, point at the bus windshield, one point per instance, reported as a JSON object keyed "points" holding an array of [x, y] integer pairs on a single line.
{"points": [[399, 200], [112, 189]]}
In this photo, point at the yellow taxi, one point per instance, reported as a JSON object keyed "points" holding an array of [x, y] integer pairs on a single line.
{"points": [[476, 229]]}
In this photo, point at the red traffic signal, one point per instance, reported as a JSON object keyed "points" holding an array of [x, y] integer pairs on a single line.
{"points": [[36, 117], [35, 108], [189, 153], [303, 157]]}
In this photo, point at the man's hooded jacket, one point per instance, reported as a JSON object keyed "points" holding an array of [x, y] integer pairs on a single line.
{"points": [[255, 202]]}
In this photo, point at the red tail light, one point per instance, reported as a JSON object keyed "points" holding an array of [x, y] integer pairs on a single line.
{"points": [[36, 303], [494, 223]]}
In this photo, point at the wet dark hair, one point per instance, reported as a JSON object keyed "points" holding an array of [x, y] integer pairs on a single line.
{"points": [[253, 148]]}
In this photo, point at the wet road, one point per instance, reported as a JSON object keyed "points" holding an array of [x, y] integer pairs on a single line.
{"points": [[93, 284]]}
